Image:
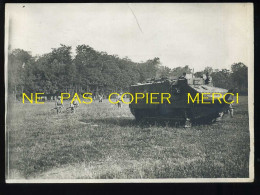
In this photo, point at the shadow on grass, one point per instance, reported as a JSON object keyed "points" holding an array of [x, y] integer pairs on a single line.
{"points": [[128, 122]]}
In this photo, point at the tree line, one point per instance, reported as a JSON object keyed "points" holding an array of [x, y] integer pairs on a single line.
{"points": [[98, 72]]}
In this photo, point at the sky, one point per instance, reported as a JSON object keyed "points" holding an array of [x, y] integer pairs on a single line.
{"points": [[197, 35]]}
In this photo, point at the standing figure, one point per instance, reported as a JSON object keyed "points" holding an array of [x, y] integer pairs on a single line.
{"points": [[208, 79], [75, 104], [119, 104], [58, 105], [94, 96], [231, 110], [71, 108], [100, 98]]}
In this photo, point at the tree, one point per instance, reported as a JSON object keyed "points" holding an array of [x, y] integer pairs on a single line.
{"points": [[222, 79], [95, 71], [149, 69], [240, 76], [208, 70], [20, 75], [178, 71], [163, 71], [55, 71]]}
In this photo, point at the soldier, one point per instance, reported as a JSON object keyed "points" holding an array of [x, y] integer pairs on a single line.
{"points": [[119, 104], [74, 105], [208, 79], [71, 108], [231, 110], [58, 105], [94, 96], [220, 116], [183, 76], [100, 97]]}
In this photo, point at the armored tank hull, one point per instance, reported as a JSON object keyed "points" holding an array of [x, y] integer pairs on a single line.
{"points": [[190, 99]]}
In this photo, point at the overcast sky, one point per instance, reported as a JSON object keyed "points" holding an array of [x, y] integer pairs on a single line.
{"points": [[198, 35]]}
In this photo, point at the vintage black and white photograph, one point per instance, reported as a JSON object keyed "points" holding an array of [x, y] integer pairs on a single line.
{"points": [[129, 92]]}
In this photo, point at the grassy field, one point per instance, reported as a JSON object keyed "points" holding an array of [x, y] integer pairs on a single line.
{"points": [[101, 141]]}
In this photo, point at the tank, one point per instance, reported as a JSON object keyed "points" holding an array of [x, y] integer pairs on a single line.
{"points": [[178, 108]]}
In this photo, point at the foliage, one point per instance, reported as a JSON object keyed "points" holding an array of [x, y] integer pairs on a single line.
{"points": [[98, 72], [240, 77], [178, 71], [20, 71]]}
